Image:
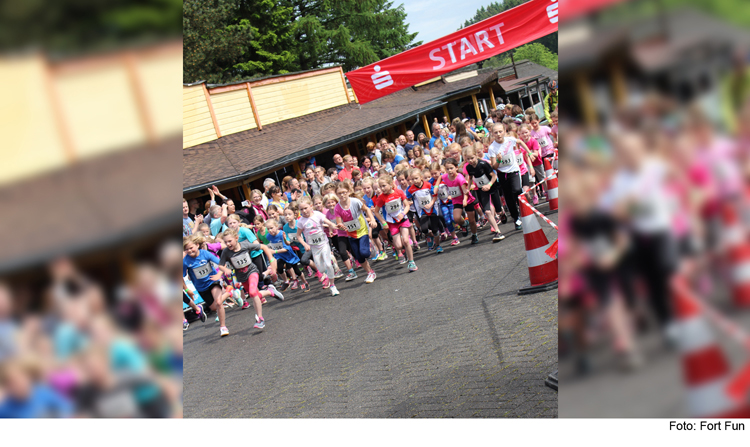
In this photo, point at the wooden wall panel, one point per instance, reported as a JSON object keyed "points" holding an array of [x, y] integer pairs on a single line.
{"points": [[197, 126], [286, 100], [233, 111], [161, 76]]}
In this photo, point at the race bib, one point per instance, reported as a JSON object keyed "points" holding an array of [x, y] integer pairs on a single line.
{"points": [[482, 181], [352, 225], [542, 142], [202, 271], [423, 200], [292, 237], [393, 207], [317, 239], [241, 261], [505, 161], [443, 193], [276, 246], [454, 191]]}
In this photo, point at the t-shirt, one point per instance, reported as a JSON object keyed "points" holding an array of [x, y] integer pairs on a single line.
{"points": [[392, 204], [353, 218], [240, 260], [368, 201], [454, 189], [399, 150], [199, 269], [331, 215], [312, 229], [43, 402], [422, 196], [482, 174], [542, 136], [216, 226], [345, 174], [434, 137], [519, 151], [187, 226], [409, 146], [503, 153], [277, 243], [534, 149], [291, 236], [246, 234]]}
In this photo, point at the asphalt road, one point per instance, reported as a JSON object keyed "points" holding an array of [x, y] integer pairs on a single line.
{"points": [[450, 340]]}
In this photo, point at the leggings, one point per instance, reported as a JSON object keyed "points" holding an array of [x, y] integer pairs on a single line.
{"points": [[260, 263], [447, 211], [251, 285], [282, 265], [430, 222], [511, 185], [305, 258], [343, 246], [323, 259]]}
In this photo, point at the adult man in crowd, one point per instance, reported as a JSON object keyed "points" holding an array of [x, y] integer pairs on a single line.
{"points": [[338, 161], [346, 173], [267, 184], [551, 100], [436, 134], [410, 143], [400, 142]]}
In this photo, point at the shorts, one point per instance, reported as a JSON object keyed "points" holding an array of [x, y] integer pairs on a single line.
{"points": [[490, 196], [525, 179], [395, 228], [343, 246], [360, 248], [430, 222], [539, 170], [208, 298], [376, 231], [410, 215]]}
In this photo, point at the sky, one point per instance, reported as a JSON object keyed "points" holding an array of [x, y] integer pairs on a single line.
{"points": [[434, 18]]}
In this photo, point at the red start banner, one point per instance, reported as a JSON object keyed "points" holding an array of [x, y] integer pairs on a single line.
{"points": [[570, 9], [500, 33]]}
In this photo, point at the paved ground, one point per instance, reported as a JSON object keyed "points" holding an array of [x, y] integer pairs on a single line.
{"points": [[450, 340]]}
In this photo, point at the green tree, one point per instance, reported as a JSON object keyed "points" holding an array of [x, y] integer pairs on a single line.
{"points": [[212, 45], [494, 8]]}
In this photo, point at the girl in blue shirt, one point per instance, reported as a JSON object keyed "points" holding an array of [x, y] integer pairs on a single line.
{"points": [[286, 260], [197, 265]]}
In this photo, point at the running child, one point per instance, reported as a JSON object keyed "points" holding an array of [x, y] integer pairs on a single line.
{"points": [[503, 157], [488, 190], [395, 204], [423, 195], [350, 215], [460, 194], [446, 204], [339, 237], [369, 192], [290, 233], [197, 265], [311, 225], [287, 261]]}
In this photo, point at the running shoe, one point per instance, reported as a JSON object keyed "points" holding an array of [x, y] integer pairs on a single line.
{"points": [[455, 241], [375, 258], [202, 314], [412, 266], [439, 249], [535, 200], [217, 319], [402, 259], [245, 305], [334, 291], [276, 293], [304, 287], [415, 248], [371, 277], [240, 302], [465, 231], [474, 239], [263, 299], [383, 256], [498, 237], [503, 218], [310, 272], [295, 284], [518, 224], [260, 325], [224, 331], [326, 282], [284, 286], [338, 274], [351, 276], [256, 318], [185, 325]]}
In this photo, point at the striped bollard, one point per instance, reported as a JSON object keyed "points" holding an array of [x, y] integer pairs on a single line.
{"points": [[542, 268], [551, 184]]}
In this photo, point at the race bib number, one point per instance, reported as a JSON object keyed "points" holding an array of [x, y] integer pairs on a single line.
{"points": [[482, 181], [443, 193], [352, 225], [292, 237], [454, 191], [424, 200], [317, 239], [519, 159], [241, 261], [393, 207], [202, 271], [542, 142], [276, 246], [505, 161]]}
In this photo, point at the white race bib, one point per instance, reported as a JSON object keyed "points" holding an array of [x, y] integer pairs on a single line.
{"points": [[317, 238], [482, 181], [241, 261], [276, 246], [542, 142], [202, 271], [519, 159], [505, 161], [423, 198], [454, 191], [352, 225], [393, 207], [292, 237]]}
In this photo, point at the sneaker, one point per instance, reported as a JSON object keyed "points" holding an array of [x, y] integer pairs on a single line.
{"points": [[245, 305], [202, 314], [464, 232], [256, 318], [474, 239], [240, 302], [412, 266], [260, 325], [224, 331], [429, 243], [443, 237], [503, 218], [263, 299], [276, 293], [284, 286], [535, 201], [334, 291], [498, 237], [326, 282], [415, 248], [455, 241], [304, 287], [402, 259], [518, 224], [217, 319], [351, 276], [371, 277], [185, 325], [383, 256], [310, 272], [338, 274], [439, 249], [375, 258], [295, 284]]}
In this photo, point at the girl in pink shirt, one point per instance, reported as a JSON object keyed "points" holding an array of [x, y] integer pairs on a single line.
{"points": [[536, 175], [463, 200]]}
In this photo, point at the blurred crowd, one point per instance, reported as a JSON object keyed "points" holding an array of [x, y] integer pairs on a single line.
{"points": [[80, 349]]}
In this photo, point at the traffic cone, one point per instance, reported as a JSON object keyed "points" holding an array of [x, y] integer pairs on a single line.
{"points": [[705, 367], [737, 250], [542, 268], [551, 185]]}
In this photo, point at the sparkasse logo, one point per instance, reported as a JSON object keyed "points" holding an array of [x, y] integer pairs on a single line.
{"points": [[381, 80], [552, 11]]}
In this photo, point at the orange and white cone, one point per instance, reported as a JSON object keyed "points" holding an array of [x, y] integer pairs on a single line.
{"points": [[737, 250], [542, 268], [551, 184], [705, 367]]}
